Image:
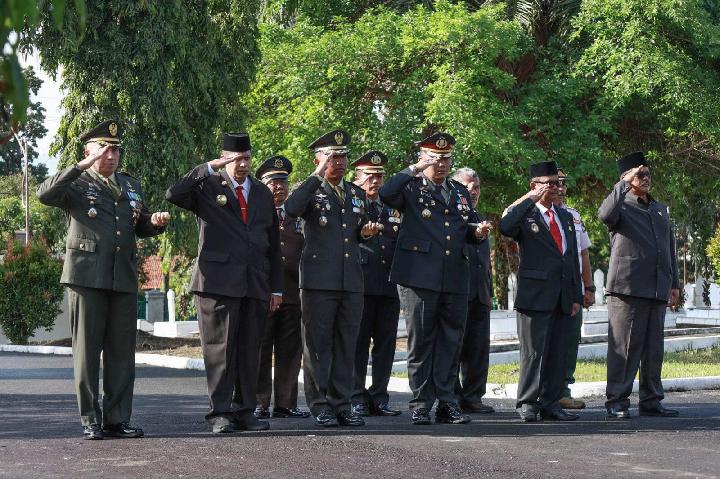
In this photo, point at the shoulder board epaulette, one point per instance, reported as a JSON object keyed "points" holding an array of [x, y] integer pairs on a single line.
{"points": [[126, 174]]}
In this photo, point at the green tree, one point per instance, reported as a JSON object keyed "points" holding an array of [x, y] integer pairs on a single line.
{"points": [[11, 158], [171, 73]]}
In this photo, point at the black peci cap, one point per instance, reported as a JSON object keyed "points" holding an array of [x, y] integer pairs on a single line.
{"points": [[544, 168], [236, 142]]}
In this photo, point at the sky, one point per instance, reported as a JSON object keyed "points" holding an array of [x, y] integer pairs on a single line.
{"points": [[49, 96]]}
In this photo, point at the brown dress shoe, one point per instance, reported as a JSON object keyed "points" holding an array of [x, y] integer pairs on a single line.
{"points": [[571, 403]]}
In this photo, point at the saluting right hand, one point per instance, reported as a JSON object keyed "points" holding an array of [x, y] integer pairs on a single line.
{"points": [[322, 165], [218, 163], [423, 164], [631, 174], [536, 193], [90, 160]]}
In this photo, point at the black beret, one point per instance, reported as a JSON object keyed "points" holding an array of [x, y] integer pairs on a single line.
{"points": [[236, 142], [633, 160], [439, 142], [333, 140], [544, 168], [274, 167], [108, 131], [371, 162]]}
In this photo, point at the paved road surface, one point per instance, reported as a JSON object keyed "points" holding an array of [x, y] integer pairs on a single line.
{"points": [[40, 437]]}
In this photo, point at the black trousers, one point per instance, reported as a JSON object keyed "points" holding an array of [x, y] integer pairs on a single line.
{"points": [[281, 336], [635, 341], [379, 323], [474, 354], [573, 337], [542, 358], [230, 331], [104, 321], [330, 324], [435, 325]]}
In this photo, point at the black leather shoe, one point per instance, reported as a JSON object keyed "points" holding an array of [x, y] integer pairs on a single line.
{"points": [[290, 412], [477, 407], [384, 409], [122, 430], [527, 413], [222, 425], [348, 418], [93, 432], [558, 414], [326, 419], [450, 414], [249, 422], [617, 412], [361, 409], [420, 417], [262, 412], [659, 411]]}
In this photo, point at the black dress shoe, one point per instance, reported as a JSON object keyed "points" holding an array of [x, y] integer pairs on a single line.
{"points": [[93, 432], [477, 407], [450, 414], [420, 417], [617, 412], [326, 419], [383, 409], [348, 418], [222, 425], [122, 430], [659, 411], [559, 414], [527, 413], [249, 422], [290, 412], [262, 412], [361, 409]]}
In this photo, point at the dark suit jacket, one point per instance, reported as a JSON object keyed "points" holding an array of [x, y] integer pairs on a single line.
{"points": [[642, 246], [331, 257], [100, 248], [480, 272], [234, 259], [545, 277], [376, 254], [432, 253], [291, 245]]}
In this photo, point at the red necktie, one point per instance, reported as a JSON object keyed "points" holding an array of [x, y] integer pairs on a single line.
{"points": [[243, 203], [555, 231]]}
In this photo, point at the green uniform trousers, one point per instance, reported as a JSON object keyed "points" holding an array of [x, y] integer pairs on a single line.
{"points": [[104, 321]]}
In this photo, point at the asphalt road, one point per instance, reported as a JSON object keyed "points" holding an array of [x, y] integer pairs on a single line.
{"points": [[40, 436]]}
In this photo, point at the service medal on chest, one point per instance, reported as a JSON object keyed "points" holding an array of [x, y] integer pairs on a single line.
{"points": [[534, 227], [221, 200], [426, 213], [92, 213], [322, 221]]}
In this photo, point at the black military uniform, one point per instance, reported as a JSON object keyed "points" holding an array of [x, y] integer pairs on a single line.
{"points": [[475, 352], [239, 266], [431, 268], [381, 309], [548, 286], [331, 284], [282, 329], [100, 271], [643, 271]]}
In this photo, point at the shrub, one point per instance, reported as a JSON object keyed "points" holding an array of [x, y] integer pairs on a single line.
{"points": [[30, 290]]}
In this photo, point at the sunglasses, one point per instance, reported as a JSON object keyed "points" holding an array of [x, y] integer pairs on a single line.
{"points": [[642, 174], [555, 183]]}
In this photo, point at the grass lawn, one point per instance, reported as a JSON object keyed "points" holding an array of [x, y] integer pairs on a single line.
{"points": [[681, 364]]}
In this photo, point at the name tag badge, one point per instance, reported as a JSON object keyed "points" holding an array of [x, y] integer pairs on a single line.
{"points": [[356, 210]]}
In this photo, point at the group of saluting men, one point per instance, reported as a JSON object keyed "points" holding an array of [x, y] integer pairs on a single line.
{"points": [[315, 275]]}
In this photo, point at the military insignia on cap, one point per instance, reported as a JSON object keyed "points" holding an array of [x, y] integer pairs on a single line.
{"points": [[376, 160], [278, 163], [441, 142], [112, 128], [339, 137]]}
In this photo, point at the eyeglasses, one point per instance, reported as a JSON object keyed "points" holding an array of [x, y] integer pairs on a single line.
{"points": [[562, 182], [554, 183], [642, 174]]}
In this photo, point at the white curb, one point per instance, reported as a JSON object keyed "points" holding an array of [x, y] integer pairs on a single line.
{"points": [[59, 350]]}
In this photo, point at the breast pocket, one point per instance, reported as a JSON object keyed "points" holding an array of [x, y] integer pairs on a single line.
{"points": [[416, 245]]}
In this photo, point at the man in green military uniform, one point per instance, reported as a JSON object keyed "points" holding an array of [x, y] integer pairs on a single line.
{"points": [[105, 211]]}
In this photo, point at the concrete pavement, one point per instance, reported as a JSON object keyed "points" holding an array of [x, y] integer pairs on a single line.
{"points": [[40, 437]]}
